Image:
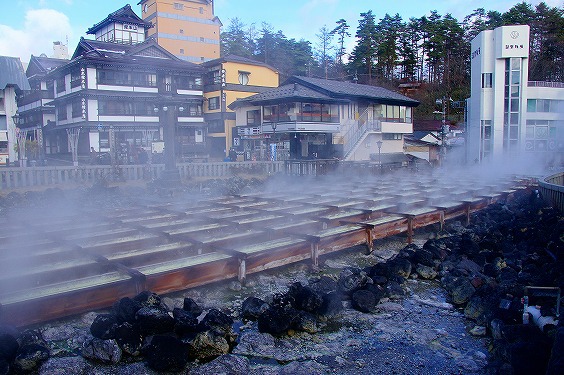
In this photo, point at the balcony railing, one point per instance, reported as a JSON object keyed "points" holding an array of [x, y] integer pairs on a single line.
{"points": [[558, 85]]}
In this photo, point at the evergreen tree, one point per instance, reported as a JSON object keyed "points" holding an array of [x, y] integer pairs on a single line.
{"points": [[363, 54]]}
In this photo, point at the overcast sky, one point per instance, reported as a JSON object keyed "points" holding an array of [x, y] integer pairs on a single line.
{"points": [[31, 26]]}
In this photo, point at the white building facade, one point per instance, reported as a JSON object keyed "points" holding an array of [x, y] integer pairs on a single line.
{"points": [[507, 115]]}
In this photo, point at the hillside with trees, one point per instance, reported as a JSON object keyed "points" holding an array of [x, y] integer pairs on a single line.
{"points": [[432, 51]]}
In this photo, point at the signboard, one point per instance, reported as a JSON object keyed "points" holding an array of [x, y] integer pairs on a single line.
{"points": [[512, 41]]}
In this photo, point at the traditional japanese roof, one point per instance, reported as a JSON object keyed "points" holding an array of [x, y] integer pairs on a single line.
{"points": [[123, 15], [41, 65], [286, 93], [147, 53], [338, 89], [12, 73], [324, 91], [236, 59]]}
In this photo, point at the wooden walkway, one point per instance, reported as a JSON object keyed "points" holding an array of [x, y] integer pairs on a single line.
{"points": [[74, 262]]}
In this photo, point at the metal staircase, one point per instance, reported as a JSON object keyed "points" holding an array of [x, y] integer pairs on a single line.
{"points": [[358, 130]]}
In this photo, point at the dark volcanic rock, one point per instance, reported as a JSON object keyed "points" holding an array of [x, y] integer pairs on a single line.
{"points": [[216, 318], [4, 367], [352, 279], [129, 338], [305, 298], [166, 353], [399, 267], [364, 301], [394, 290], [305, 321], [8, 347], [103, 351], [185, 322], [192, 307], [424, 257], [324, 284], [276, 320], [460, 289], [252, 307], [154, 320], [148, 299], [104, 326], [125, 309], [332, 304], [207, 345]]}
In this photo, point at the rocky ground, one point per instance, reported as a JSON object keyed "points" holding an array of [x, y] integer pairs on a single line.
{"points": [[448, 304]]}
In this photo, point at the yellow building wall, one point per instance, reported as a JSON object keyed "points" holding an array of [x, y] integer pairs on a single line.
{"points": [[259, 75]]}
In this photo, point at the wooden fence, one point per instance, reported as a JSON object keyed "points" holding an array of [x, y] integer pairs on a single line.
{"points": [[27, 177]]}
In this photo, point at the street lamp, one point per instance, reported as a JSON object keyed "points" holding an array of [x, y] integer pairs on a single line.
{"points": [[443, 102], [379, 144], [21, 137]]}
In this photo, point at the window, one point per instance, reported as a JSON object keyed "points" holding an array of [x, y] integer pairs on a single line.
{"points": [[244, 77], [60, 84], [202, 39], [114, 77], [253, 117], [216, 126], [181, 31], [186, 83], [114, 108], [216, 77], [201, 10], [76, 109], [182, 51], [75, 78], [391, 136], [145, 79], [143, 109], [213, 103], [178, 6], [62, 113], [487, 80]]}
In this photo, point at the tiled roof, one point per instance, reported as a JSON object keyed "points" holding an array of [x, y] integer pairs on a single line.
{"points": [[347, 89], [290, 92], [124, 15], [12, 73], [321, 90], [148, 53], [236, 59]]}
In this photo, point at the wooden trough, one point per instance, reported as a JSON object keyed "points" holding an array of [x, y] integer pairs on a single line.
{"points": [[88, 258]]}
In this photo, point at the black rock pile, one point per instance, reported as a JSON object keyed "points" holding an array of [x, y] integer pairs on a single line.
{"points": [[21, 353], [142, 328]]}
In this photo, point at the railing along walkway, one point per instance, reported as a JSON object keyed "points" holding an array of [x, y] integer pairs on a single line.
{"points": [[17, 178]]}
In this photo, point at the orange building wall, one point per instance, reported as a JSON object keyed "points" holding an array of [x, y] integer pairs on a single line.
{"points": [[161, 14]]}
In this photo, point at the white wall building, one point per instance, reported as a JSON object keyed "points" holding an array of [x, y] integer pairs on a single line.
{"points": [[508, 115]]}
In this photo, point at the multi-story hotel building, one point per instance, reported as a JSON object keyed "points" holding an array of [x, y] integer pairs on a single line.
{"points": [[508, 115], [186, 28], [119, 94], [309, 118]]}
